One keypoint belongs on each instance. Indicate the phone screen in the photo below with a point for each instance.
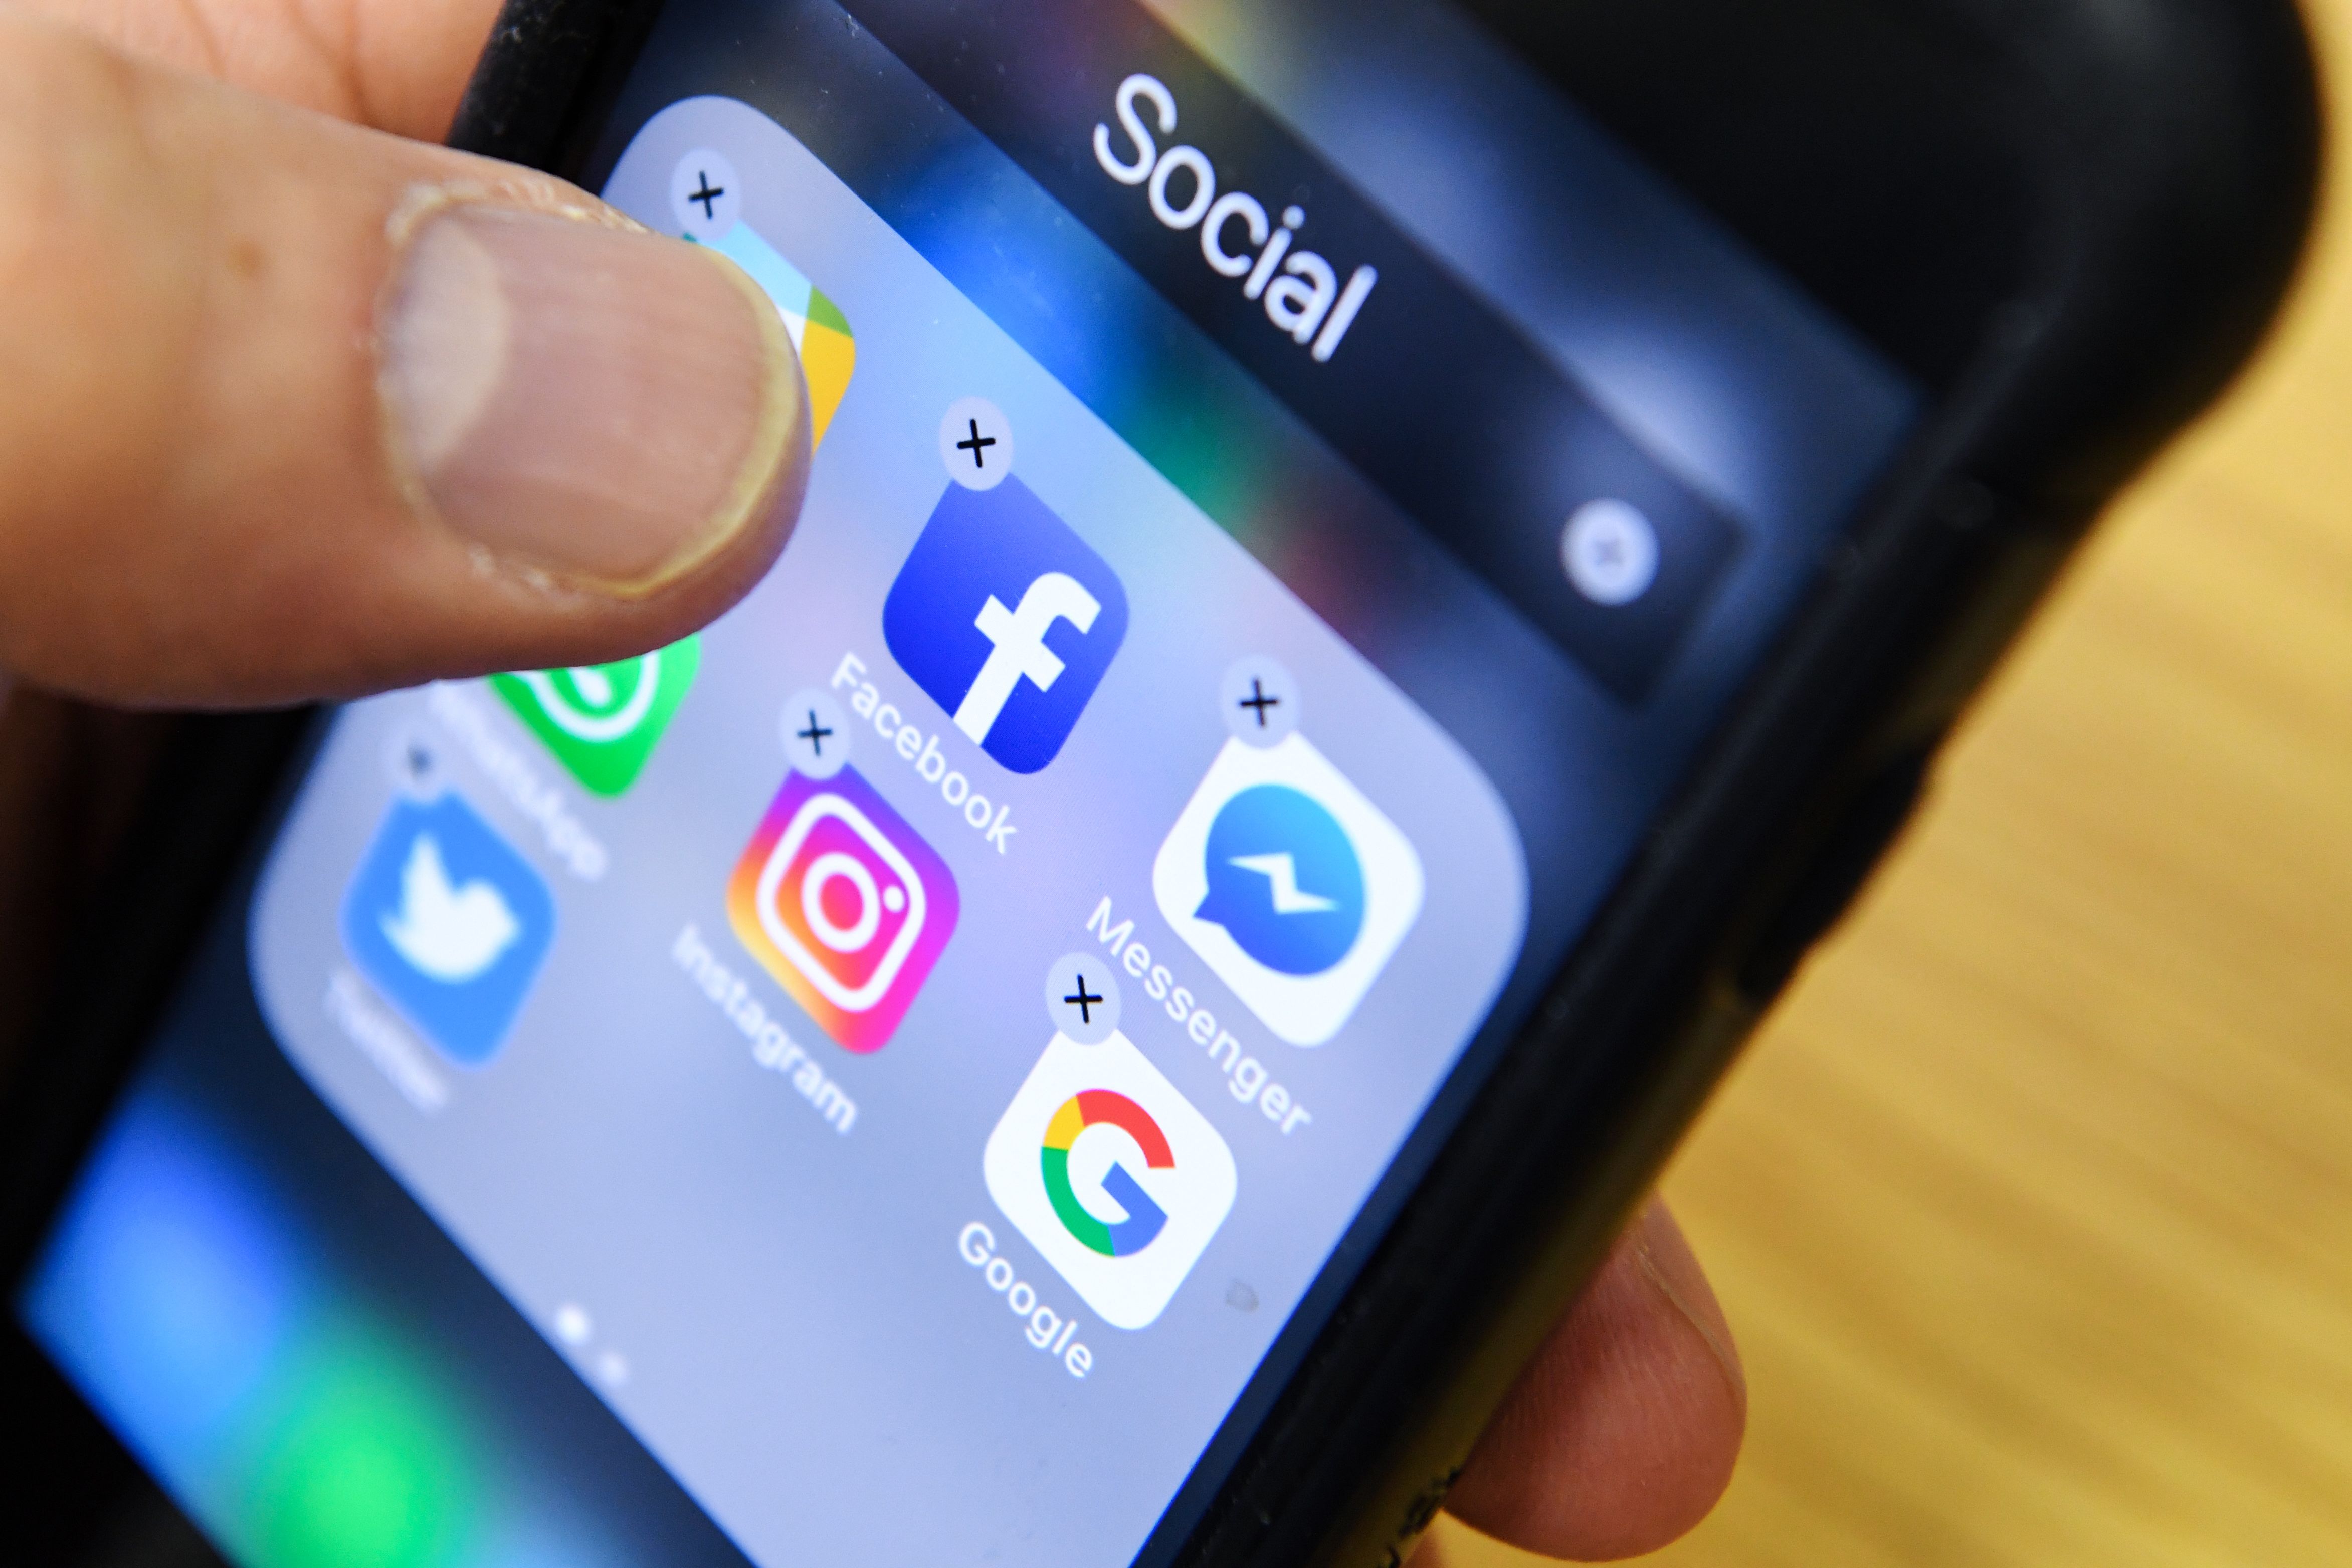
(901, 1075)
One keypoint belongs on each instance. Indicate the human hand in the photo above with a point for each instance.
(293, 408)
(1620, 1434)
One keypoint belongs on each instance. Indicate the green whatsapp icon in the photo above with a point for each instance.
(602, 721)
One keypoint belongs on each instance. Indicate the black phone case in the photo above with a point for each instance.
(2167, 155)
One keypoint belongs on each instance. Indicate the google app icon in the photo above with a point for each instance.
(1111, 1174)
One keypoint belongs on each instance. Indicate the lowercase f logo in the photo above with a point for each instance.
(1006, 620)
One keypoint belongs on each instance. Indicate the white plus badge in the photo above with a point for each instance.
(705, 195)
(976, 443)
(1611, 551)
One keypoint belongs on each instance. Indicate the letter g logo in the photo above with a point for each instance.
(1113, 1177)
(1145, 1219)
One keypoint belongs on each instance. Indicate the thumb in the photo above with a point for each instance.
(291, 409)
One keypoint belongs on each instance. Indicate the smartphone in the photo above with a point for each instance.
(1373, 574)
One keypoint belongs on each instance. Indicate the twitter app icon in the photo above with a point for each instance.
(449, 923)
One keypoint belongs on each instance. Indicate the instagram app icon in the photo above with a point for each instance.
(838, 899)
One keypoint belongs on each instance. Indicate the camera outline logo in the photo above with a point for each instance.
(603, 721)
(1290, 884)
(1117, 1179)
(1006, 620)
(450, 922)
(844, 904)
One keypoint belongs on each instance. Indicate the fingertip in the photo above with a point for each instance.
(427, 417)
(574, 396)
(1664, 1254)
(1624, 1432)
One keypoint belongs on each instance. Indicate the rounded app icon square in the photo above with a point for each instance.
(602, 721)
(449, 922)
(1290, 883)
(1006, 620)
(844, 903)
(706, 200)
(1111, 1174)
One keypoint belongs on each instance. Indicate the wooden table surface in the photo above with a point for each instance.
(2031, 1207)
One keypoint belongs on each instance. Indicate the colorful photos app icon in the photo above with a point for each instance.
(1112, 1176)
(1290, 884)
(602, 721)
(449, 922)
(843, 903)
(1007, 619)
(706, 198)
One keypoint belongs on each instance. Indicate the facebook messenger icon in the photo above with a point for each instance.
(1290, 884)
(1283, 880)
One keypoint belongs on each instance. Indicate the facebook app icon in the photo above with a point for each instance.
(1006, 620)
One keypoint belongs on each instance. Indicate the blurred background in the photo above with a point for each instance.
(2031, 1207)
